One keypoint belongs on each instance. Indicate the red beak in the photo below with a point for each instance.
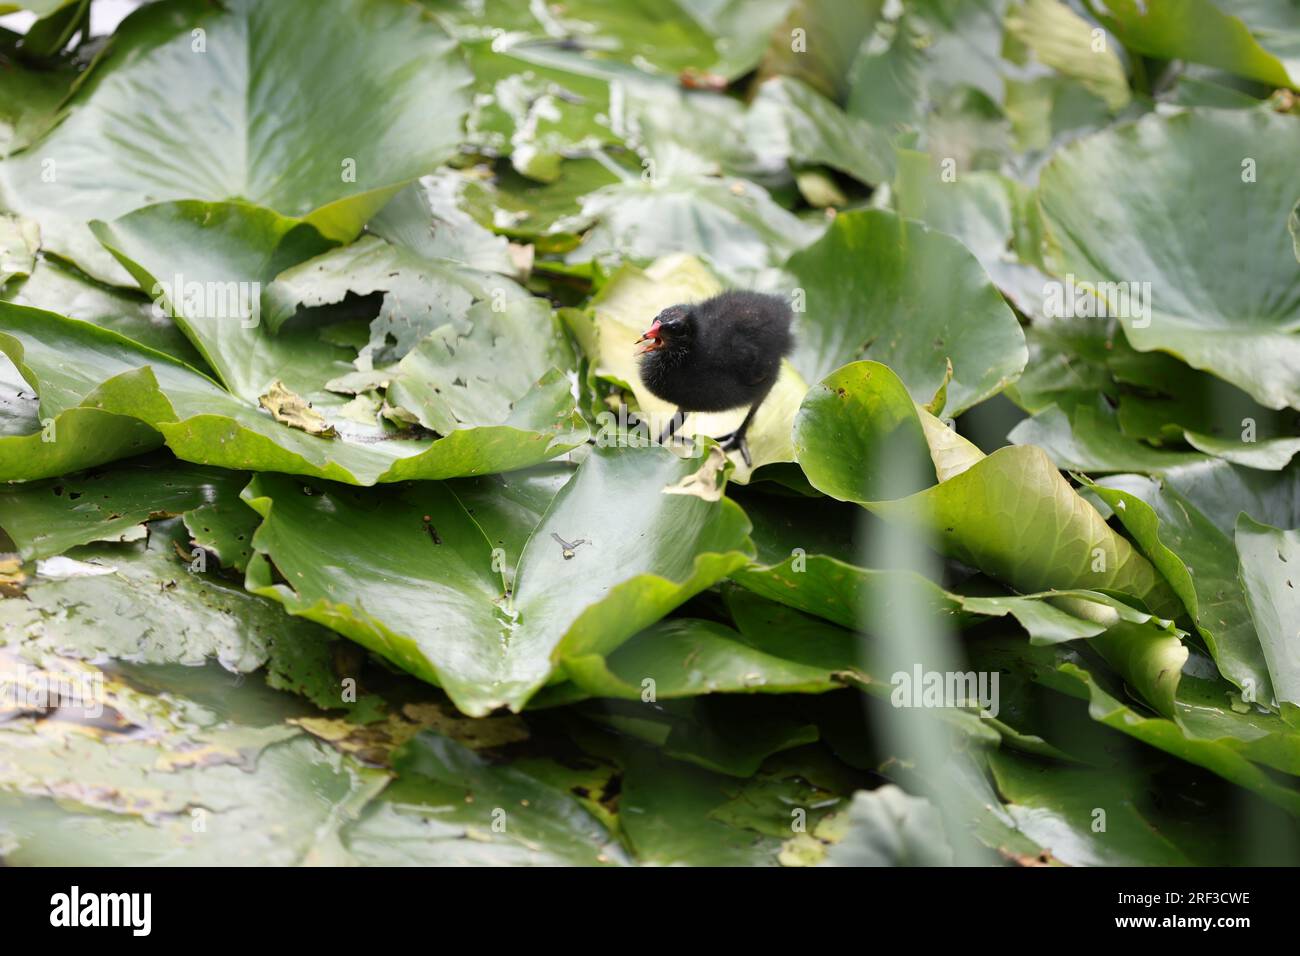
(653, 337)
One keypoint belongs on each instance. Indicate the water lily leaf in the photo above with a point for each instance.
(1213, 32)
(184, 93)
(1088, 438)
(48, 517)
(147, 602)
(872, 288)
(206, 265)
(536, 114)
(452, 807)
(997, 219)
(1178, 539)
(1005, 489)
(666, 816)
(509, 507)
(558, 84)
(976, 207)
(29, 102)
(787, 118)
(167, 775)
(452, 379)
(1221, 491)
(1063, 40)
(1270, 454)
(20, 239)
(721, 37)
(887, 827)
(734, 224)
(1240, 327)
(225, 526)
(42, 8)
(202, 422)
(446, 616)
(1135, 642)
(727, 734)
(421, 294)
(819, 41)
(1058, 806)
(56, 288)
(1221, 754)
(427, 217)
(544, 214)
(1163, 400)
(680, 134)
(989, 515)
(843, 592)
(1267, 556)
(685, 657)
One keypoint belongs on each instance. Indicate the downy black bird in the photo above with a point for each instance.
(717, 355)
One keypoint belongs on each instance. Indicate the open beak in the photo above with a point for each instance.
(653, 339)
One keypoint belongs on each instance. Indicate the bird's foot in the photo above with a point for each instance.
(734, 441)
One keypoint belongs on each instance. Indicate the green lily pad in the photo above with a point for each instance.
(887, 827)
(581, 588)
(1010, 514)
(1155, 183)
(205, 264)
(29, 102)
(1266, 554)
(684, 657)
(184, 92)
(1064, 41)
(1260, 41)
(146, 392)
(48, 517)
(1087, 817)
(789, 119)
(452, 807)
(20, 239)
(59, 288)
(733, 224)
(1219, 754)
(166, 776)
(1200, 564)
(893, 290)
(427, 217)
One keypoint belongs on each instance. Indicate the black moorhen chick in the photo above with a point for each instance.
(717, 355)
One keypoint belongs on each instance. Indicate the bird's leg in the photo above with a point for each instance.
(674, 423)
(736, 439)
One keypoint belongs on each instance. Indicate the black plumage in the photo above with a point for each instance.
(717, 355)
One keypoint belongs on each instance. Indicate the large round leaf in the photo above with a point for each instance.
(413, 577)
(880, 287)
(1260, 40)
(1010, 514)
(1193, 208)
(197, 100)
(82, 372)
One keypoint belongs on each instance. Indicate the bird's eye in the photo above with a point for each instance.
(676, 322)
